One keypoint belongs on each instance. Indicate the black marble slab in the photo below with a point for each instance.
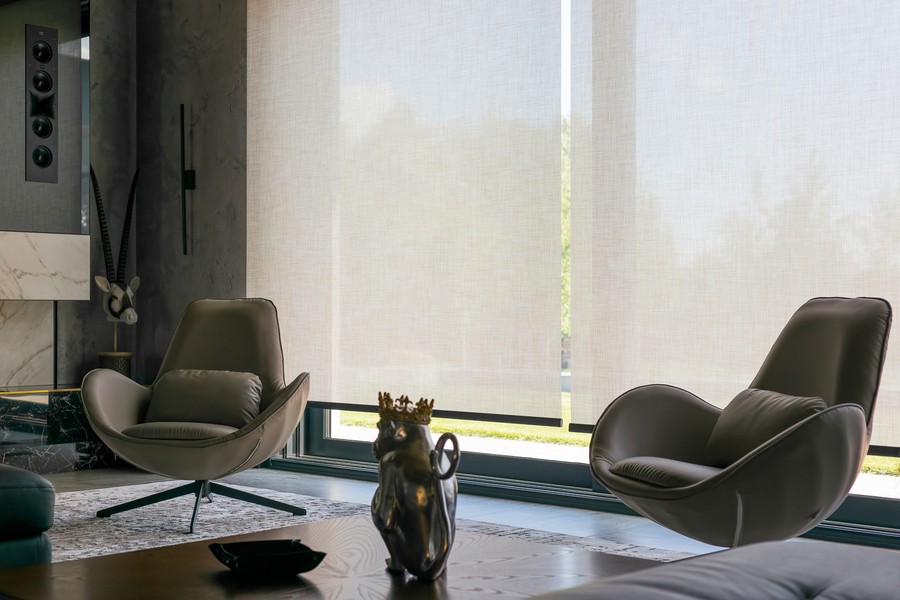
(46, 431)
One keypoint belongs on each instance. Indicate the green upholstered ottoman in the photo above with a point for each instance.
(26, 512)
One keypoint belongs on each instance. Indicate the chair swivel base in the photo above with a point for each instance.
(201, 489)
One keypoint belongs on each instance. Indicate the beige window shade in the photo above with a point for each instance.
(729, 162)
(404, 198)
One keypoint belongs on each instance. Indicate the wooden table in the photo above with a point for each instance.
(480, 566)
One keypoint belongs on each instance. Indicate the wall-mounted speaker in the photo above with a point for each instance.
(41, 85)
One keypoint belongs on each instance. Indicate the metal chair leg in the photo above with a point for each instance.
(182, 490)
(201, 489)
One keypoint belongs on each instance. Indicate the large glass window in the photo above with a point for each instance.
(433, 219)
(403, 208)
(729, 162)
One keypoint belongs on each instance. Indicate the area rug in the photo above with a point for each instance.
(78, 533)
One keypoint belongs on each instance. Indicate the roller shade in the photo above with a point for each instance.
(729, 162)
(404, 199)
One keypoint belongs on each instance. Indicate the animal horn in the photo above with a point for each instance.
(104, 230)
(123, 247)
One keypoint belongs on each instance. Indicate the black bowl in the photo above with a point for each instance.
(267, 558)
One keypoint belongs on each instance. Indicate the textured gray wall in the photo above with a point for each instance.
(192, 53)
(30, 206)
(146, 59)
(82, 329)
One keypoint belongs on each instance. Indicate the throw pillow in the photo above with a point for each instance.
(753, 418)
(198, 396)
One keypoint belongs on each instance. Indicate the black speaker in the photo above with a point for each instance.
(42, 91)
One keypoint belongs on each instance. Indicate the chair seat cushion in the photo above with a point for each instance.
(663, 472)
(201, 396)
(175, 430)
(26, 503)
(753, 418)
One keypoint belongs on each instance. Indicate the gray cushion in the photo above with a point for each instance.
(662, 472)
(796, 569)
(226, 398)
(753, 418)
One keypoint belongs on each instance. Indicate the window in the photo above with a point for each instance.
(728, 162)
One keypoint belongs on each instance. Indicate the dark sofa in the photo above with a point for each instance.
(788, 570)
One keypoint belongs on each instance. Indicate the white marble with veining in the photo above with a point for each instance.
(26, 344)
(44, 266)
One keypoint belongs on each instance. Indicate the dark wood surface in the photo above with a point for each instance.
(480, 566)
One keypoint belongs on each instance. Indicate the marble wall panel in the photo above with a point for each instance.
(44, 266)
(26, 344)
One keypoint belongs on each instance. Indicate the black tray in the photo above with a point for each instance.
(267, 558)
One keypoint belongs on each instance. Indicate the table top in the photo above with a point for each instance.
(480, 566)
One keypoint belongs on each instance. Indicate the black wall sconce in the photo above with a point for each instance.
(41, 81)
(188, 182)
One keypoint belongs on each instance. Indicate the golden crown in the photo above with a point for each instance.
(403, 409)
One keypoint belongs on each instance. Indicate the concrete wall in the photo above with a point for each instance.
(146, 59)
(191, 53)
(82, 329)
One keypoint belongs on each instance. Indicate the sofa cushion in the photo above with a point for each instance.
(751, 419)
(662, 472)
(228, 398)
(26, 503)
(795, 569)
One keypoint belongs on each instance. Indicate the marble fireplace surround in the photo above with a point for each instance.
(40, 431)
(46, 431)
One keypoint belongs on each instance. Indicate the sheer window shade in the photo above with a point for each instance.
(404, 200)
(729, 162)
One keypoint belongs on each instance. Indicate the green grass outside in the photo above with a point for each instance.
(506, 431)
(880, 465)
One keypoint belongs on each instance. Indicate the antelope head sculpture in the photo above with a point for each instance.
(118, 296)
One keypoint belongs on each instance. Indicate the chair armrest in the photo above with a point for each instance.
(654, 420)
(298, 387)
(798, 478)
(112, 401)
(276, 423)
(830, 444)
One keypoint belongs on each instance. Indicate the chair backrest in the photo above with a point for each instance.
(230, 335)
(833, 348)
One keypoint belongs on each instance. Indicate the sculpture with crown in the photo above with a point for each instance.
(414, 506)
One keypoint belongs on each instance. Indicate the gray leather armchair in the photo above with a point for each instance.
(218, 406)
(779, 458)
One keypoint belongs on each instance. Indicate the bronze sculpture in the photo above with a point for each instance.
(414, 506)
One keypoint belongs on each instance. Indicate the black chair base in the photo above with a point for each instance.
(201, 489)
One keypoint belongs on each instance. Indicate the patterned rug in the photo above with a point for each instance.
(78, 533)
